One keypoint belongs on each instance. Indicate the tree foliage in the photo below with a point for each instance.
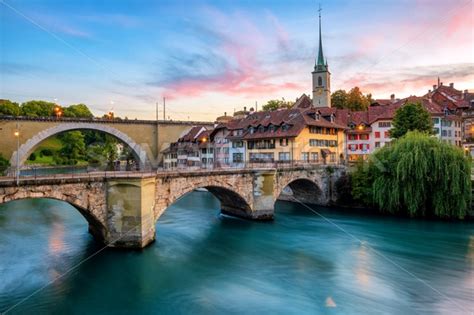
(37, 109)
(419, 176)
(9, 108)
(353, 100)
(74, 148)
(339, 99)
(412, 116)
(277, 104)
(79, 111)
(4, 165)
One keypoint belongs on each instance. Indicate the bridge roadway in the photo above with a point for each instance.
(122, 207)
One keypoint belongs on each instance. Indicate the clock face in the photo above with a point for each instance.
(319, 91)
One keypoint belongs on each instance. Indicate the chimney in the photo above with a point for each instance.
(245, 108)
(225, 113)
(434, 87)
(392, 98)
(429, 91)
(441, 84)
(451, 85)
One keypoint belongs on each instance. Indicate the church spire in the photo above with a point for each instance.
(320, 65)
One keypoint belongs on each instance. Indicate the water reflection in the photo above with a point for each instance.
(204, 263)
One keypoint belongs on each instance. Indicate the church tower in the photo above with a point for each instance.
(321, 76)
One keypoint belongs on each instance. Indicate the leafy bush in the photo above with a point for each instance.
(32, 157)
(46, 152)
(418, 175)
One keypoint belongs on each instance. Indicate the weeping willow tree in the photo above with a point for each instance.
(418, 175)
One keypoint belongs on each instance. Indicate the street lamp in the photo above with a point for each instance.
(58, 111)
(17, 135)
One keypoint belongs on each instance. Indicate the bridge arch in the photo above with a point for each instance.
(28, 147)
(234, 201)
(302, 189)
(96, 225)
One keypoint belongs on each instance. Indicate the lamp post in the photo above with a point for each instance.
(17, 135)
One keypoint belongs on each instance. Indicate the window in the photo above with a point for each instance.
(284, 156)
(436, 131)
(444, 133)
(304, 156)
(353, 137)
(435, 121)
(377, 134)
(238, 157)
(314, 129)
(252, 130)
(225, 150)
(332, 157)
(377, 144)
(386, 134)
(364, 137)
(285, 127)
(283, 142)
(352, 147)
(237, 144)
(320, 81)
(385, 124)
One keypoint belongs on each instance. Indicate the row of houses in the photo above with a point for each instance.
(308, 134)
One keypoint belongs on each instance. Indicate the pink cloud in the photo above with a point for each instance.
(245, 75)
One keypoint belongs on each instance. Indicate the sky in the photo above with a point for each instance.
(211, 57)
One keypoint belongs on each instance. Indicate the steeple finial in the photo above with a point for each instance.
(320, 61)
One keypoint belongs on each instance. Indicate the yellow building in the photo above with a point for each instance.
(292, 135)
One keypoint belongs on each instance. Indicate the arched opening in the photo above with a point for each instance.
(95, 226)
(231, 202)
(303, 191)
(26, 149)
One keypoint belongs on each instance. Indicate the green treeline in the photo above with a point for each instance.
(43, 109)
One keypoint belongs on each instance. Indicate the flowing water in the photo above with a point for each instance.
(205, 263)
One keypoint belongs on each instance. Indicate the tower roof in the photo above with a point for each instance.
(320, 62)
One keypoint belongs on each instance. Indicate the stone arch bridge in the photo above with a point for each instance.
(122, 208)
(146, 138)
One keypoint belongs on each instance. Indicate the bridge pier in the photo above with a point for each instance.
(130, 217)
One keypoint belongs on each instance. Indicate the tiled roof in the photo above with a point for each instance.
(303, 102)
(192, 134)
(272, 122)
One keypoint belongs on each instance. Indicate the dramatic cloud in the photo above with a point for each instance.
(233, 63)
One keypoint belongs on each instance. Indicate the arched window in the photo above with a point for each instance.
(320, 81)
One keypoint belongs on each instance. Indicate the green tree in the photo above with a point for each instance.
(276, 104)
(78, 110)
(411, 117)
(418, 176)
(37, 109)
(356, 101)
(74, 147)
(9, 108)
(4, 165)
(339, 99)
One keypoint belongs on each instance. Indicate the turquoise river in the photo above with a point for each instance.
(306, 261)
